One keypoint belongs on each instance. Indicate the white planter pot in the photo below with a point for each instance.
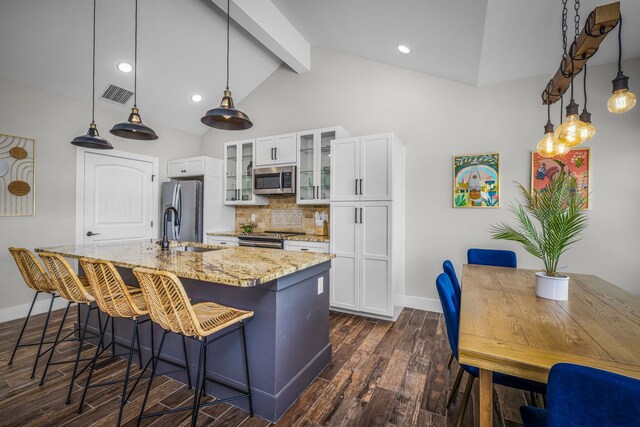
(555, 288)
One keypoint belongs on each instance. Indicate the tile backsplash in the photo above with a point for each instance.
(282, 213)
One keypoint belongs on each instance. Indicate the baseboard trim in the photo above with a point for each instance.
(420, 303)
(41, 306)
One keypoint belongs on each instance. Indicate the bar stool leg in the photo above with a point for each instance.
(55, 343)
(24, 326)
(154, 366)
(83, 333)
(186, 358)
(93, 364)
(44, 332)
(113, 337)
(246, 367)
(138, 344)
(123, 399)
(199, 383)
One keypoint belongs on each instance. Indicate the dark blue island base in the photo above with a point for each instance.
(287, 338)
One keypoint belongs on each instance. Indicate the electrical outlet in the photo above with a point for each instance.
(320, 285)
(253, 217)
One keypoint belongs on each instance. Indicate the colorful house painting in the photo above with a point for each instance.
(476, 181)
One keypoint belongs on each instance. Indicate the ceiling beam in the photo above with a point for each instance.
(264, 21)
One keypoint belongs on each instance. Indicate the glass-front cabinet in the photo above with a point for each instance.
(314, 160)
(238, 174)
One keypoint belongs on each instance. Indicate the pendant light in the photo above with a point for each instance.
(548, 145)
(92, 138)
(133, 128)
(561, 147)
(573, 129)
(226, 117)
(622, 100)
(589, 130)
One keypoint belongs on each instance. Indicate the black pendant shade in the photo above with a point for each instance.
(133, 128)
(92, 139)
(226, 117)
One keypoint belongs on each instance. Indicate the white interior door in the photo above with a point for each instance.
(118, 198)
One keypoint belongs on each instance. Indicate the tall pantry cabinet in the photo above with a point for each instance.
(367, 224)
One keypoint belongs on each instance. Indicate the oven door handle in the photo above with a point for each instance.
(281, 180)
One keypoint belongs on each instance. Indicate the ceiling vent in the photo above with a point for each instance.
(116, 94)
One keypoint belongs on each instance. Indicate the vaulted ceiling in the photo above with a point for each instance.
(182, 43)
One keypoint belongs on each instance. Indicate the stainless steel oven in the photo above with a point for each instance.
(275, 180)
(267, 239)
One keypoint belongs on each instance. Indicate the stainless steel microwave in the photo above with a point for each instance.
(276, 180)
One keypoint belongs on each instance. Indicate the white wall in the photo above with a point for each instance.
(438, 118)
(54, 120)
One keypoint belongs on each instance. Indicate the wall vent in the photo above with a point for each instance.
(116, 94)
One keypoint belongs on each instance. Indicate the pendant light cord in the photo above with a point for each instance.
(620, 46)
(584, 81)
(561, 107)
(228, 24)
(93, 81)
(135, 60)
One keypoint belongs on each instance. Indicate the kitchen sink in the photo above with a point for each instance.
(193, 249)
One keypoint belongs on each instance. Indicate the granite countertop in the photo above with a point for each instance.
(235, 266)
(299, 238)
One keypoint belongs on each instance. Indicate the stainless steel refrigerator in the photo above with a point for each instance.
(186, 197)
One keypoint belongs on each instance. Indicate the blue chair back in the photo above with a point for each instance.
(450, 309)
(447, 266)
(495, 257)
(582, 396)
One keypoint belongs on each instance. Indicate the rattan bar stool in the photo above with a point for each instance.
(170, 308)
(117, 300)
(75, 289)
(37, 279)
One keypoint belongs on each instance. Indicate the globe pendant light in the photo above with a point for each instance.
(92, 138)
(226, 117)
(589, 130)
(133, 128)
(548, 146)
(622, 100)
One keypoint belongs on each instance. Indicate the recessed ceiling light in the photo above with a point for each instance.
(125, 67)
(404, 49)
(196, 98)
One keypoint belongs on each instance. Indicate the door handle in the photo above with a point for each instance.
(356, 214)
(356, 187)
(314, 192)
(275, 153)
(272, 154)
(91, 233)
(360, 185)
(304, 249)
(361, 216)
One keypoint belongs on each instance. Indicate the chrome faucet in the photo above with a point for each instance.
(164, 244)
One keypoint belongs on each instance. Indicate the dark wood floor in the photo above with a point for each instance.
(382, 374)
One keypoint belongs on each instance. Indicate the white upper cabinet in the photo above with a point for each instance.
(238, 174)
(314, 164)
(276, 150)
(362, 168)
(193, 166)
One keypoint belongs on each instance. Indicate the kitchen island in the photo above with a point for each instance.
(288, 336)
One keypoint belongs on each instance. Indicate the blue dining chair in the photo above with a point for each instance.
(452, 320)
(582, 396)
(495, 257)
(447, 266)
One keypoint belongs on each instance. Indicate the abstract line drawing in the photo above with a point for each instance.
(17, 175)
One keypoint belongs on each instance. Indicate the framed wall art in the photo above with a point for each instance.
(476, 181)
(17, 175)
(577, 162)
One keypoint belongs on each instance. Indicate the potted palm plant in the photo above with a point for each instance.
(557, 210)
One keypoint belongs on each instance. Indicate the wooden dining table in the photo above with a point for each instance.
(505, 328)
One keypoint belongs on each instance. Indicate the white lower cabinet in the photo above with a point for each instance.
(222, 240)
(299, 245)
(362, 270)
